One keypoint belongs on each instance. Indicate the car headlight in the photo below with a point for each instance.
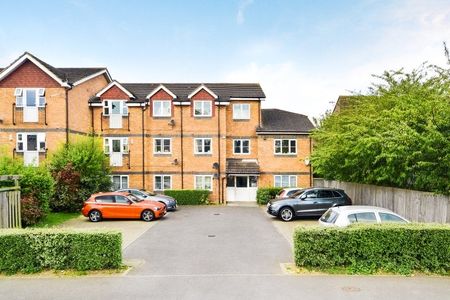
(158, 208)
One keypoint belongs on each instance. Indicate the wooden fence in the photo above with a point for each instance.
(10, 204)
(416, 206)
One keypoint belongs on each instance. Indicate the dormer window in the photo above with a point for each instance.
(202, 108)
(162, 108)
(115, 107)
(33, 97)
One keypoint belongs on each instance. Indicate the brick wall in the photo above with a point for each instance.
(28, 75)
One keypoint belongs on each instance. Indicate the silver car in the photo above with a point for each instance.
(169, 202)
(343, 216)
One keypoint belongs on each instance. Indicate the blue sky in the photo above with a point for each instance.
(304, 53)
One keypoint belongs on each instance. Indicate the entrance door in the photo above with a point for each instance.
(30, 108)
(115, 117)
(116, 159)
(242, 188)
(31, 153)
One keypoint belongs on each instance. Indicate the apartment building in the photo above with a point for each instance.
(157, 136)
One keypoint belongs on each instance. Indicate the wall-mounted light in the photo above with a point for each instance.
(171, 122)
(307, 161)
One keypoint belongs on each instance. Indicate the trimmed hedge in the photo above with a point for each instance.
(264, 195)
(189, 197)
(34, 250)
(372, 248)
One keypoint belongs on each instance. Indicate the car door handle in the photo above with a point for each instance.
(315, 202)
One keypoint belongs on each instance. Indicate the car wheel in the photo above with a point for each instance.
(286, 214)
(95, 216)
(147, 215)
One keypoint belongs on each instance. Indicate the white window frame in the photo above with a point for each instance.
(241, 147)
(162, 182)
(121, 177)
(107, 107)
(203, 145)
(289, 177)
(162, 112)
(20, 93)
(238, 112)
(202, 178)
(40, 140)
(162, 146)
(124, 146)
(281, 147)
(202, 104)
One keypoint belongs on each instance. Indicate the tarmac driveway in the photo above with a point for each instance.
(211, 240)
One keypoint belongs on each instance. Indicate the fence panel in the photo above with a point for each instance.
(10, 215)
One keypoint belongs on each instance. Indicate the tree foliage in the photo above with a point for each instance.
(396, 135)
(80, 169)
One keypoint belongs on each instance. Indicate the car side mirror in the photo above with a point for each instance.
(130, 202)
(303, 197)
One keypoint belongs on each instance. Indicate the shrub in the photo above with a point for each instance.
(264, 195)
(37, 187)
(372, 248)
(189, 197)
(80, 169)
(33, 250)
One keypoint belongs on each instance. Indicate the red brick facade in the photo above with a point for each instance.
(28, 75)
(114, 93)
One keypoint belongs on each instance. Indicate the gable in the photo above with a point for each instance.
(202, 95)
(161, 95)
(114, 92)
(28, 75)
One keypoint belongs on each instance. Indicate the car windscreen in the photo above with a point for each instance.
(134, 198)
(330, 216)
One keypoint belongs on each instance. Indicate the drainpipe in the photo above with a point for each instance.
(310, 167)
(181, 143)
(67, 116)
(92, 119)
(143, 146)
(218, 148)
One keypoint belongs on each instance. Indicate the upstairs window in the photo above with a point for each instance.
(285, 146)
(202, 108)
(32, 97)
(241, 146)
(241, 111)
(162, 108)
(115, 107)
(202, 146)
(162, 146)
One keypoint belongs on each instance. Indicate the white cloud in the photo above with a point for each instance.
(243, 4)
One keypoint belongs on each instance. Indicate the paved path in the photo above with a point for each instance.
(180, 261)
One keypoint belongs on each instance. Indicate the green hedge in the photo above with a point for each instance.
(189, 197)
(263, 195)
(372, 248)
(33, 250)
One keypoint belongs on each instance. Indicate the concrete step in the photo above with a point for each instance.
(242, 203)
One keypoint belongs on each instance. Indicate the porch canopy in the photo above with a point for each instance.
(237, 166)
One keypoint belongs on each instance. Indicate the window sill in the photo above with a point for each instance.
(286, 155)
(202, 154)
(162, 117)
(202, 117)
(241, 120)
(162, 154)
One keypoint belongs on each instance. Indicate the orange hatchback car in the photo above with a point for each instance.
(118, 205)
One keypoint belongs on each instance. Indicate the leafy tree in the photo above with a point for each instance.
(80, 169)
(397, 135)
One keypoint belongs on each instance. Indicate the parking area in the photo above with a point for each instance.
(131, 229)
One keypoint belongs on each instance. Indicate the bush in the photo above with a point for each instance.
(189, 197)
(38, 249)
(80, 169)
(264, 195)
(36, 184)
(372, 248)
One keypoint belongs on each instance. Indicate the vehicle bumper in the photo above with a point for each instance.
(272, 211)
(160, 213)
(171, 206)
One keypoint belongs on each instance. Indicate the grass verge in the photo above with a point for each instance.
(53, 219)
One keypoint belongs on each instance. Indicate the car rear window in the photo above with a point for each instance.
(365, 217)
(336, 194)
(390, 218)
(329, 216)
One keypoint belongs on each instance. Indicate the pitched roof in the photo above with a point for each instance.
(242, 166)
(69, 75)
(224, 91)
(277, 120)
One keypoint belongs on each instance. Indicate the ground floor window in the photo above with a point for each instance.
(119, 182)
(203, 182)
(162, 182)
(285, 181)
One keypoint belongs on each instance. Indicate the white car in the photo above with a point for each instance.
(287, 192)
(343, 216)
